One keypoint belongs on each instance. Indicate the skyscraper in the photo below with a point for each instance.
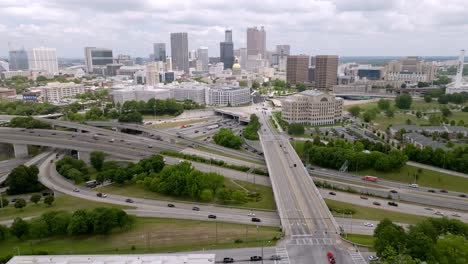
(326, 70)
(203, 57)
(159, 51)
(226, 50)
(18, 60)
(179, 51)
(43, 59)
(282, 51)
(297, 68)
(256, 41)
(97, 58)
(152, 74)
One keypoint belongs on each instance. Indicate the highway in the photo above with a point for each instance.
(311, 231)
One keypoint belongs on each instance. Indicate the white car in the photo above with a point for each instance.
(104, 195)
(368, 224)
(413, 185)
(251, 214)
(456, 215)
(371, 258)
(439, 213)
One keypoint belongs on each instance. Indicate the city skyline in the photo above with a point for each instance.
(348, 28)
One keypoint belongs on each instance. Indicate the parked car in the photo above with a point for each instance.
(255, 219)
(170, 205)
(376, 203)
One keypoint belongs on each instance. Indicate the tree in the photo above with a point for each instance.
(403, 85)
(97, 159)
(226, 138)
(132, 117)
(383, 104)
(3, 233)
(451, 249)
(390, 237)
(243, 83)
(295, 129)
(255, 85)
(5, 202)
(427, 98)
(23, 179)
(80, 223)
(206, 195)
(35, 198)
(389, 113)
(19, 228)
(403, 101)
(49, 199)
(369, 115)
(300, 87)
(443, 99)
(28, 122)
(20, 203)
(104, 219)
(354, 110)
(41, 78)
(418, 114)
(445, 111)
(38, 228)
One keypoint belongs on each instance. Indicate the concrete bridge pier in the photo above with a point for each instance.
(20, 150)
(84, 156)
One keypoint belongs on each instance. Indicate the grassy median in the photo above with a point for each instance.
(151, 235)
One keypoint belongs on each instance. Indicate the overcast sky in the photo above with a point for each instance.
(343, 27)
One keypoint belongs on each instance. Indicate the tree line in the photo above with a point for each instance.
(250, 131)
(99, 221)
(336, 153)
(23, 108)
(28, 122)
(455, 159)
(23, 179)
(73, 169)
(432, 240)
(159, 107)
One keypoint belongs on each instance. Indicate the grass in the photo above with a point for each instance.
(63, 202)
(179, 123)
(217, 152)
(361, 239)
(134, 190)
(376, 214)
(420, 105)
(151, 235)
(427, 178)
(152, 117)
(363, 183)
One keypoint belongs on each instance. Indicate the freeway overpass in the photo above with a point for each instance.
(311, 230)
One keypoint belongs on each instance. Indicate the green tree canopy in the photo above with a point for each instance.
(403, 101)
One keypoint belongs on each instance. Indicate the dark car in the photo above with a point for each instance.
(431, 191)
(195, 208)
(129, 200)
(228, 260)
(364, 197)
(443, 191)
(170, 205)
(332, 193)
(255, 258)
(462, 195)
(392, 204)
(212, 216)
(376, 203)
(255, 219)
(393, 191)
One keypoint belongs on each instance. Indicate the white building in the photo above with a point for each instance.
(97, 58)
(189, 91)
(152, 74)
(138, 93)
(43, 59)
(116, 259)
(9, 74)
(228, 96)
(312, 107)
(56, 91)
(203, 57)
(4, 66)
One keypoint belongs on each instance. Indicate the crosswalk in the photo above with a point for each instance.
(311, 241)
(357, 257)
(283, 253)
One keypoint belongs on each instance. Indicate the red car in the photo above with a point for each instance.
(331, 258)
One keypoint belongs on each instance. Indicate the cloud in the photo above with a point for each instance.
(345, 27)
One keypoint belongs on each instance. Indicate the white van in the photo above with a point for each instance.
(413, 185)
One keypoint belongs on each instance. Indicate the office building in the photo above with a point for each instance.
(4, 66)
(256, 41)
(373, 74)
(152, 74)
(138, 93)
(18, 60)
(203, 58)
(159, 51)
(179, 52)
(43, 59)
(281, 53)
(195, 92)
(312, 107)
(130, 70)
(227, 50)
(10, 74)
(228, 96)
(410, 70)
(111, 69)
(297, 69)
(326, 71)
(97, 58)
(169, 77)
(56, 92)
(125, 60)
(311, 74)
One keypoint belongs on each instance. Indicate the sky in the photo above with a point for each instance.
(343, 27)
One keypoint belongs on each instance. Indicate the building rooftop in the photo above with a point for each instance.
(425, 141)
(311, 92)
(116, 259)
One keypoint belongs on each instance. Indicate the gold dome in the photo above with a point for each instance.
(236, 66)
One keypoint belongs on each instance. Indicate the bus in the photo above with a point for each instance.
(91, 184)
(370, 178)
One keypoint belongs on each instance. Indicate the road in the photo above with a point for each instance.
(51, 179)
(311, 231)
